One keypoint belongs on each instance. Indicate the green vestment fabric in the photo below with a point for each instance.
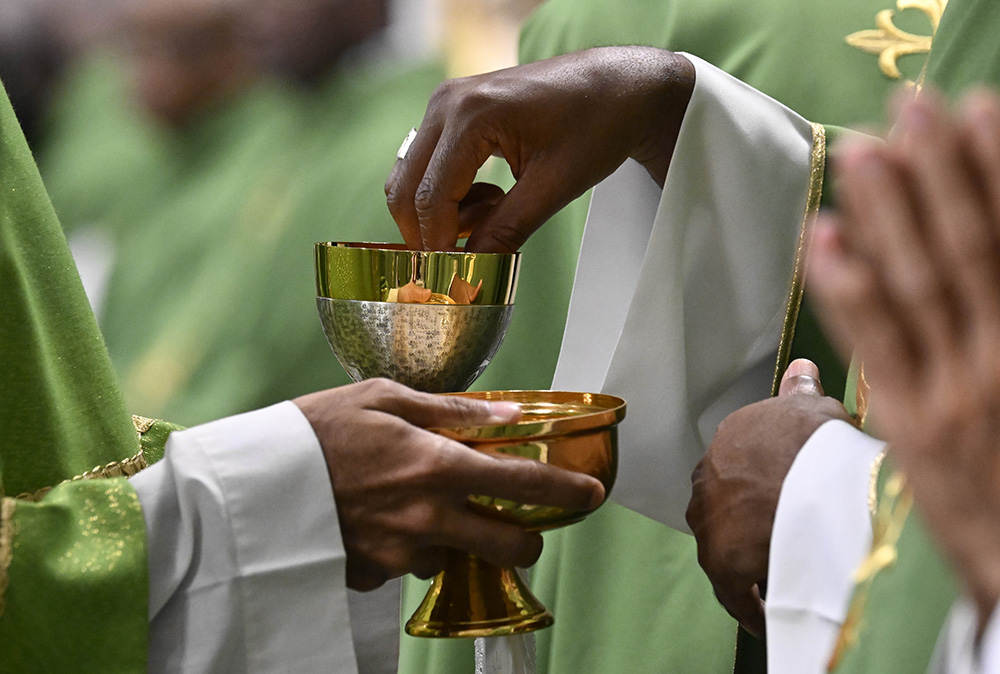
(908, 602)
(627, 593)
(102, 161)
(79, 553)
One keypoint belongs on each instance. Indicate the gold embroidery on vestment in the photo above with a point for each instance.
(142, 424)
(124, 468)
(7, 506)
(862, 392)
(892, 511)
(816, 172)
(891, 43)
(873, 473)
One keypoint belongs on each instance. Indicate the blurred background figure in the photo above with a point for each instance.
(186, 56)
(31, 59)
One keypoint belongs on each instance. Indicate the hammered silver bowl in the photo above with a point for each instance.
(439, 346)
(429, 347)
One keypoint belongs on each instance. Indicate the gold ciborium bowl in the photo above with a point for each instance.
(575, 431)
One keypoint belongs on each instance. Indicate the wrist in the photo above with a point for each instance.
(671, 79)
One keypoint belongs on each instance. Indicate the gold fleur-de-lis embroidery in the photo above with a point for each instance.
(891, 43)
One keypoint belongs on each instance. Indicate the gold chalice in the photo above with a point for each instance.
(433, 321)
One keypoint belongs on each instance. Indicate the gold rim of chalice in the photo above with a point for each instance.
(571, 430)
(543, 414)
(384, 272)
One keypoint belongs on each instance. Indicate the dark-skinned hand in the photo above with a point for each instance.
(735, 488)
(402, 491)
(563, 125)
(908, 275)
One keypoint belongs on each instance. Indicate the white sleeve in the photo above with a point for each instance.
(246, 562)
(989, 648)
(822, 530)
(680, 293)
(957, 651)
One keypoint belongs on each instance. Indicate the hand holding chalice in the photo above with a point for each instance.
(433, 321)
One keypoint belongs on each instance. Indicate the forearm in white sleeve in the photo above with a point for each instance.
(822, 530)
(959, 651)
(693, 310)
(246, 562)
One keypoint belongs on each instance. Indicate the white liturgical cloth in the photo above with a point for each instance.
(680, 293)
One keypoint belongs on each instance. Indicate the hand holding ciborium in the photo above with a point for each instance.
(433, 321)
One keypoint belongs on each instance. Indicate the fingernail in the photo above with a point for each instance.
(804, 384)
(504, 413)
(802, 367)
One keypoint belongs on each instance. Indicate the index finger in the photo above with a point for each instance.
(406, 174)
(430, 410)
(525, 481)
(449, 175)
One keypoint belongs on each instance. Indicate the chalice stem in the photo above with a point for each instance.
(473, 598)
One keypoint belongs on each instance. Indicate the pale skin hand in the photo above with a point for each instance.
(562, 125)
(735, 488)
(908, 275)
(402, 491)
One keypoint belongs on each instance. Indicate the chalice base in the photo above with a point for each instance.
(472, 598)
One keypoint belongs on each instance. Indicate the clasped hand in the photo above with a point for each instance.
(735, 488)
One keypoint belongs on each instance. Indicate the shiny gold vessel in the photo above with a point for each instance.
(433, 321)
(368, 272)
(575, 431)
(430, 320)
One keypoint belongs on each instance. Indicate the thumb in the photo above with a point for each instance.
(801, 378)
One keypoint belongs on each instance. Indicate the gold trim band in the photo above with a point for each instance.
(125, 468)
(816, 172)
(873, 473)
(142, 424)
(7, 506)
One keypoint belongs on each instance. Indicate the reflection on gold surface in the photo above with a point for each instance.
(574, 431)
(460, 291)
(379, 272)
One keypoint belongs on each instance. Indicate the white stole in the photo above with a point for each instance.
(680, 293)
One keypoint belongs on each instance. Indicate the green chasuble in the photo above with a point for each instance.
(73, 586)
(627, 592)
(908, 602)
